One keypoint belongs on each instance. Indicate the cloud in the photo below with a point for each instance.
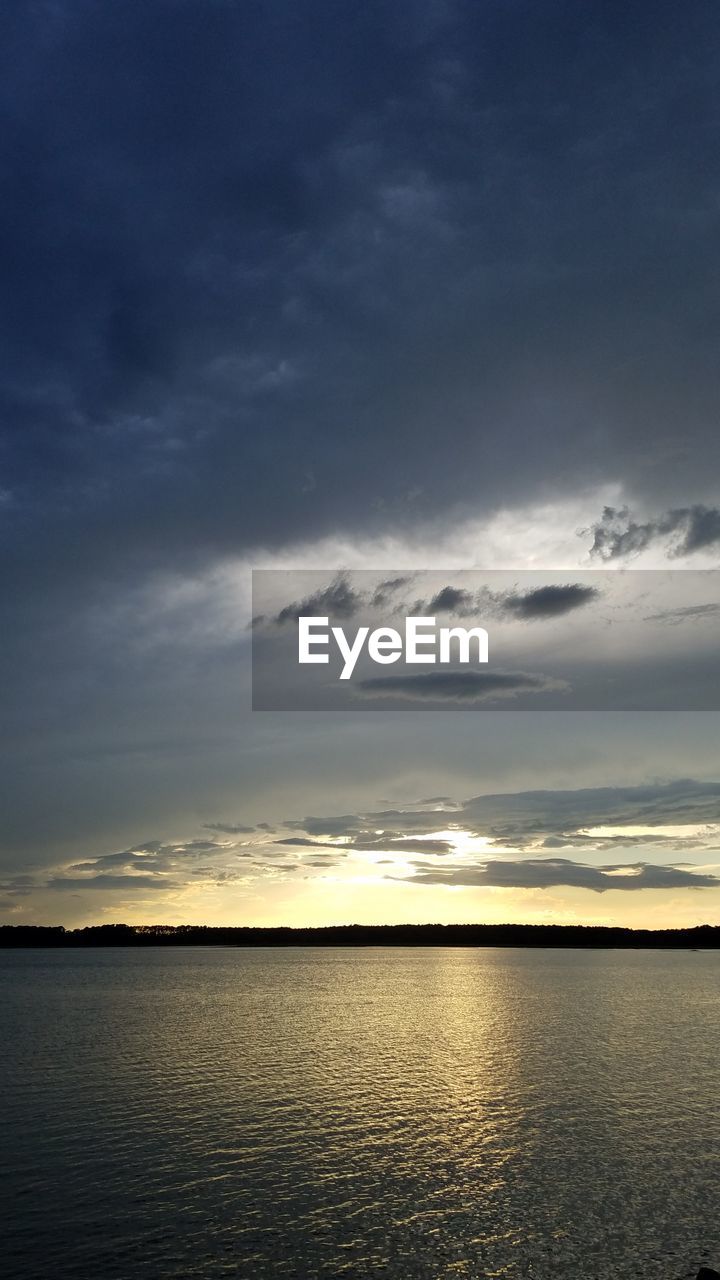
(111, 883)
(549, 602)
(18, 886)
(458, 686)
(152, 865)
(278, 866)
(301, 842)
(701, 529)
(223, 324)
(544, 873)
(153, 856)
(228, 828)
(683, 531)
(528, 823)
(386, 589)
(335, 825)
(452, 600)
(402, 845)
(578, 839)
(547, 818)
(388, 842)
(338, 600)
(693, 612)
(527, 815)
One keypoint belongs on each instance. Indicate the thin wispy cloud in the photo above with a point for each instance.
(459, 686)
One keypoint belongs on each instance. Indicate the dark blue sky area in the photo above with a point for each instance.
(272, 269)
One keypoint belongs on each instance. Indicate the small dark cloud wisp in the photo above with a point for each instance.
(458, 686)
(452, 600)
(549, 602)
(338, 600)
(692, 613)
(228, 828)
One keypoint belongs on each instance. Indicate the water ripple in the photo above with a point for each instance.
(172, 1114)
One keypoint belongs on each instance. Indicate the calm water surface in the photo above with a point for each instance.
(358, 1113)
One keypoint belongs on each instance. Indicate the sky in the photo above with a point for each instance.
(408, 287)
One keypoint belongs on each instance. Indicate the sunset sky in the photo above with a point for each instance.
(429, 285)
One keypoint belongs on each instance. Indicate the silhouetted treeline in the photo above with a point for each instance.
(358, 935)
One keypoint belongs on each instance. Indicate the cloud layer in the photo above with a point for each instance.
(546, 873)
(284, 281)
(434, 843)
(248, 252)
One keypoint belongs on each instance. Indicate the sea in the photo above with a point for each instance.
(172, 1113)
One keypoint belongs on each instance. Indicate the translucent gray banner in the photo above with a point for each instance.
(634, 640)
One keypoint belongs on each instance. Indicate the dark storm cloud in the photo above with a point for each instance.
(681, 531)
(457, 686)
(700, 529)
(545, 873)
(549, 602)
(250, 249)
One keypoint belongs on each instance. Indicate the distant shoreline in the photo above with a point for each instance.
(704, 937)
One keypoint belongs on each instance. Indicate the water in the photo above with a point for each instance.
(367, 1113)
